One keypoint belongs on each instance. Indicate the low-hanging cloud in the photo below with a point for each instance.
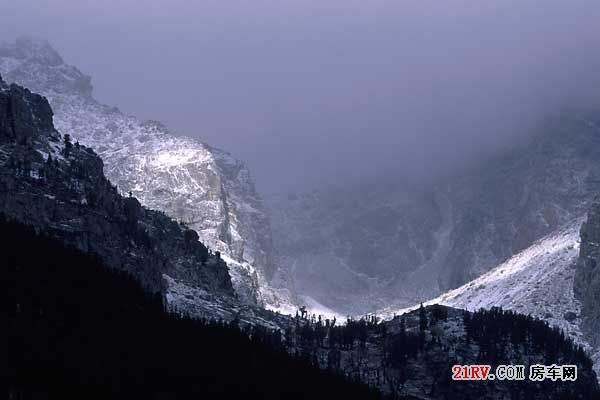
(313, 91)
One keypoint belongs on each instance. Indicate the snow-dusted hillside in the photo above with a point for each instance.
(537, 281)
(190, 181)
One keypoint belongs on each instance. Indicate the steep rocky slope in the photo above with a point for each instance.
(395, 244)
(538, 281)
(587, 278)
(554, 280)
(59, 188)
(190, 181)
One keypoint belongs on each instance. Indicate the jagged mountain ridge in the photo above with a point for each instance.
(392, 244)
(190, 181)
(60, 188)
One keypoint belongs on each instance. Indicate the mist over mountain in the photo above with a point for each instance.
(309, 93)
(316, 159)
(89, 281)
(360, 248)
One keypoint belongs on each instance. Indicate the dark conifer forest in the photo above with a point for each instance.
(71, 327)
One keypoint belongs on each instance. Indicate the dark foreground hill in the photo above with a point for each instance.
(72, 328)
(411, 356)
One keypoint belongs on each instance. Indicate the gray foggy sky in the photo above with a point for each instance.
(312, 91)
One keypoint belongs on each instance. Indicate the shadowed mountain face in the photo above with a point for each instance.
(365, 247)
(190, 181)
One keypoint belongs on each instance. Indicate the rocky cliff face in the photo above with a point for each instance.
(392, 244)
(587, 278)
(58, 187)
(190, 181)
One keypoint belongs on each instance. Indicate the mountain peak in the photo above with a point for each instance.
(38, 66)
(29, 47)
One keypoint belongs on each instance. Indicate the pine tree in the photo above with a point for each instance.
(68, 145)
(422, 319)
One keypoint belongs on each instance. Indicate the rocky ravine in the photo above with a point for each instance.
(190, 181)
(390, 244)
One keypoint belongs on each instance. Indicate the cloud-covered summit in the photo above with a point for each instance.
(311, 92)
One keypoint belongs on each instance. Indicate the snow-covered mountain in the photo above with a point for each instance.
(362, 247)
(190, 181)
(56, 189)
(342, 249)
